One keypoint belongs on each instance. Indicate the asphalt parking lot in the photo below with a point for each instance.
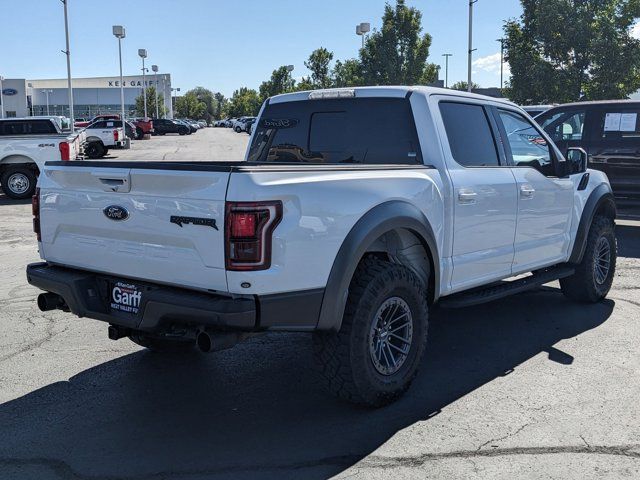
(531, 386)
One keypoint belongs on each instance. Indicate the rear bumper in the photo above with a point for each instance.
(162, 308)
(88, 294)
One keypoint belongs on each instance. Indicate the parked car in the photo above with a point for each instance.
(143, 126)
(535, 110)
(609, 131)
(192, 128)
(162, 126)
(220, 123)
(202, 123)
(241, 124)
(109, 116)
(383, 202)
(26, 144)
(249, 126)
(64, 123)
(104, 135)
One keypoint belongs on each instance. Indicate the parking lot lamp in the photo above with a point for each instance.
(176, 99)
(118, 31)
(362, 29)
(501, 40)
(47, 92)
(155, 80)
(143, 54)
(446, 68)
(67, 52)
(471, 49)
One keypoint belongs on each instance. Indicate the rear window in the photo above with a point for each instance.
(27, 127)
(350, 131)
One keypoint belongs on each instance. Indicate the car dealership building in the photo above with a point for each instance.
(91, 96)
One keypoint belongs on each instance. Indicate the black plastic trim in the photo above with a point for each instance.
(376, 222)
(291, 310)
(600, 196)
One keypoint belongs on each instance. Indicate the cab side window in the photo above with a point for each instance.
(469, 133)
(565, 126)
(528, 147)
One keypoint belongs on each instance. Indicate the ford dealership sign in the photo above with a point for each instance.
(9, 91)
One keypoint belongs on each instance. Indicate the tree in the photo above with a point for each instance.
(151, 104)
(347, 73)
(462, 85)
(188, 106)
(244, 101)
(207, 97)
(397, 54)
(318, 64)
(567, 50)
(280, 82)
(220, 105)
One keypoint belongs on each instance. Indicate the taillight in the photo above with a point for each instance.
(248, 234)
(65, 151)
(115, 135)
(35, 210)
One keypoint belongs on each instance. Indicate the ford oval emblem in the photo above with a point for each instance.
(116, 212)
(9, 91)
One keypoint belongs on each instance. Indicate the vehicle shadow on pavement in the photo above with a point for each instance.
(4, 200)
(628, 237)
(257, 411)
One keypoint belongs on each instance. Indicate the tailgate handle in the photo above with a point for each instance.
(115, 184)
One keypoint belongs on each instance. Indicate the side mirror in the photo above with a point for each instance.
(576, 160)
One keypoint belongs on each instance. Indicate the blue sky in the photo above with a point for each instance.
(223, 45)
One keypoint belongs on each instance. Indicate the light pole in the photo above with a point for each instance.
(143, 54)
(290, 69)
(67, 52)
(501, 40)
(446, 68)
(362, 29)
(47, 92)
(119, 32)
(154, 68)
(471, 49)
(1, 98)
(175, 102)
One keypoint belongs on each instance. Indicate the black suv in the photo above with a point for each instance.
(610, 133)
(162, 126)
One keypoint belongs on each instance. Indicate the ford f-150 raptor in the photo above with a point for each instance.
(355, 211)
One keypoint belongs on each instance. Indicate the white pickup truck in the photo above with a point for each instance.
(26, 144)
(355, 211)
(103, 135)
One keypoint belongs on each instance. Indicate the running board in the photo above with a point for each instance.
(498, 290)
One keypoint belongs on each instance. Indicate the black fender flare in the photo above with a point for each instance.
(600, 198)
(379, 220)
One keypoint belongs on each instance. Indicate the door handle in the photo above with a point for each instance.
(467, 196)
(527, 191)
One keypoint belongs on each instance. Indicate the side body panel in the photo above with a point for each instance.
(320, 209)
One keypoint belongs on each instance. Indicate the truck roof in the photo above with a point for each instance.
(385, 91)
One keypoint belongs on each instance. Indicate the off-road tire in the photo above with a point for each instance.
(162, 345)
(343, 358)
(27, 182)
(95, 150)
(139, 133)
(583, 286)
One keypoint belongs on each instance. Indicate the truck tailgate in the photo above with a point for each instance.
(164, 226)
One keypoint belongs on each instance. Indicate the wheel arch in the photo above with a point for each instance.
(600, 202)
(399, 217)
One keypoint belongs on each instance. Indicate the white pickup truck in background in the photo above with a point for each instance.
(26, 144)
(103, 135)
(355, 211)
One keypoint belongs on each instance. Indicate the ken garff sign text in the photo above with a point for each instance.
(133, 83)
(9, 91)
